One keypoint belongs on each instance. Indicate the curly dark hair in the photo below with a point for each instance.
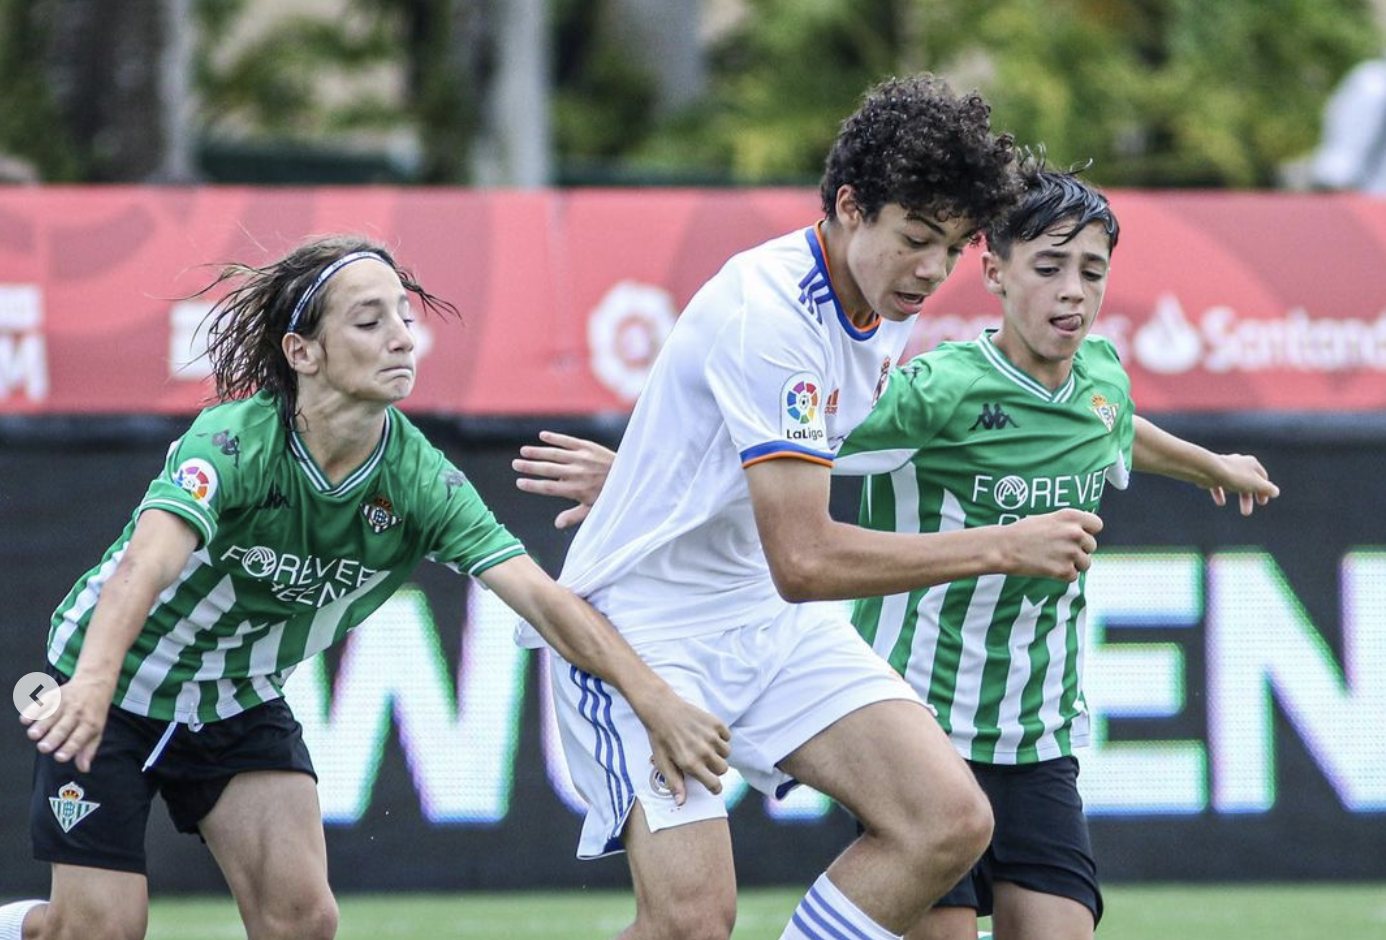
(1052, 198)
(915, 143)
(248, 324)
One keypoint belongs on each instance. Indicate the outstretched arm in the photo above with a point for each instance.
(685, 739)
(814, 557)
(569, 467)
(1157, 451)
(159, 549)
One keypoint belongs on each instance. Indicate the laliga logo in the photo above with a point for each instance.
(625, 332)
(198, 477)
(802, 402)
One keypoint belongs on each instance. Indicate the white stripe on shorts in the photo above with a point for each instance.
(595, 706)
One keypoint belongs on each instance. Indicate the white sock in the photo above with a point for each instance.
(826, 913)
(12, 918)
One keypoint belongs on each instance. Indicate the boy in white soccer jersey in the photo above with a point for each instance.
(1024, 419)
(281, 520)
(716, 522)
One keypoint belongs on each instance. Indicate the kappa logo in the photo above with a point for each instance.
(379, 512)
(993, 418)
(1105, 410)
(274, 499)
(68, 806)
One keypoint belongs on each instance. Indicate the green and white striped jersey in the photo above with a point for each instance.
(287, 561)
(963, 438)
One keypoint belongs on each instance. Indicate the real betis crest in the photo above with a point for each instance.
(1105, 410)
(379, 512)
(68, 806)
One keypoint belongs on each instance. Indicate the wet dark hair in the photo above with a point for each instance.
(914, 143)
(248, 324)
(1052, 198)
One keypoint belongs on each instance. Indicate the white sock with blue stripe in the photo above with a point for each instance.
(826, 913)
(12, 918)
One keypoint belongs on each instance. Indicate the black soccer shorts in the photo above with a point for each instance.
(98, 819)
(1040, 841)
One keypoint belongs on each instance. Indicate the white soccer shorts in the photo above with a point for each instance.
(774, 684)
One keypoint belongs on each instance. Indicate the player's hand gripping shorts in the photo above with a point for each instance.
(774, 684)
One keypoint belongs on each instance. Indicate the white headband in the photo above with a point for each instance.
(322, 278)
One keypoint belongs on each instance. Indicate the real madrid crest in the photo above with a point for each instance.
(1105, 410)
(379, 513)
(658, 784)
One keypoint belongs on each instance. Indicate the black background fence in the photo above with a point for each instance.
(1276, 781)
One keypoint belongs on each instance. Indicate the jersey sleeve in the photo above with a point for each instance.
(467, 537)
(767, 376)
(915, 403)
(207, 472)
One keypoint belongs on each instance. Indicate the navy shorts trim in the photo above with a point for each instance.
(1040, 841)
(98, 819)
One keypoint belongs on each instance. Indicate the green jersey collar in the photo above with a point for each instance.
(1003, 365)
(355, 478)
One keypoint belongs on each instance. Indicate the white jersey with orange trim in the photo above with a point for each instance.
(764, 363)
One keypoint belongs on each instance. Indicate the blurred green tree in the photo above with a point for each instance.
(1156, 92)
(79, 90)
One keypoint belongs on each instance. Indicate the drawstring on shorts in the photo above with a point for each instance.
(194, 726)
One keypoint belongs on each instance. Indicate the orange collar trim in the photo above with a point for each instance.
(851, 315)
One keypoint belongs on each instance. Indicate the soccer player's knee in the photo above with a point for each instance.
(310, 919)
(952, 830)
(975, 826)
(320, 923)
(696, 921)
(966, 832)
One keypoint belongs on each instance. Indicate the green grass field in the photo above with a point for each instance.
(1166, 912)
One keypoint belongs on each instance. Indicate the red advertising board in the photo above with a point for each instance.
(1218, 301)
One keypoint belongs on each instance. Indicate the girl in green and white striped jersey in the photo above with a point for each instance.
(280, 521)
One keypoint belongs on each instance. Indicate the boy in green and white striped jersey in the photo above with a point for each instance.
(1030, 418)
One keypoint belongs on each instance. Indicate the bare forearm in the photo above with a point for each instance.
(848, 562)
(1157, 451)
(813, 557)
(118, 619)
(157, 552)
(588, 641)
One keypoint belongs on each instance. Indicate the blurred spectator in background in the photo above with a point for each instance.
(1352, 149)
